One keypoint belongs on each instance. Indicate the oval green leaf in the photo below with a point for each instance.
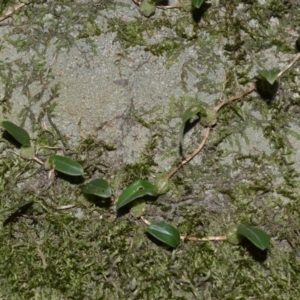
(269, 75)
(162, 183)
(27, 152)
(136, 190)
(138, 208)
(147, 8)
(65, 165)
(197, 3)
(255, 235)
(232, 236)
(209, 118)
(18, 133)
(165, 233)
(97, 187)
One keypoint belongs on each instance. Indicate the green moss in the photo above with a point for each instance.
(90, 29)
(129, 34)
(167, 46)
(186, 28)
(4, 4)
(143, 168)
(132, 33)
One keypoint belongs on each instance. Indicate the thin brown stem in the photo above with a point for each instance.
(170, 174)
(145, 221)
(64, 207)
(217, 108)
(236, 97)
(252, 87)
(210, 238)
(38, 160)
(169, 6)
(137, 2)
(289, 65)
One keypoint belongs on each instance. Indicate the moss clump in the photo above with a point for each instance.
(147, 8)
(129, 34)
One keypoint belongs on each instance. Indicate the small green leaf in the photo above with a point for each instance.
(162, 183)
(197, 3)
(188, 114)
(65, 165)
(255, 235)
(269, 75)
(209, 118)
(147, 8)
(97, 187)
(232, 236)
(27, 152)
(136, 190)
(165, 233)
(138, 208)
(18, 133)
(187, 5)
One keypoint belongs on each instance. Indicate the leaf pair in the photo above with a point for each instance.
(59, 163)
(169, 235)
(97, 187)
(165, 233)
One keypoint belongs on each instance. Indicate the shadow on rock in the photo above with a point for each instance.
(266, 90)
(98, 201)
(198, 13)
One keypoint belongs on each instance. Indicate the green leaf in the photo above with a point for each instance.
(27, 152)
(65, 165)
(197, 3)
(209, 118)
(162, 183)
(188, 114)
(255, 235)
(232, 236)
(18, 133)
(136, 190)
(269, 75)
(147, 8)
(138, 208)
(165, 233)
(187, 5)
(97, 187)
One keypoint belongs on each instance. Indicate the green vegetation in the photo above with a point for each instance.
(66, 230)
